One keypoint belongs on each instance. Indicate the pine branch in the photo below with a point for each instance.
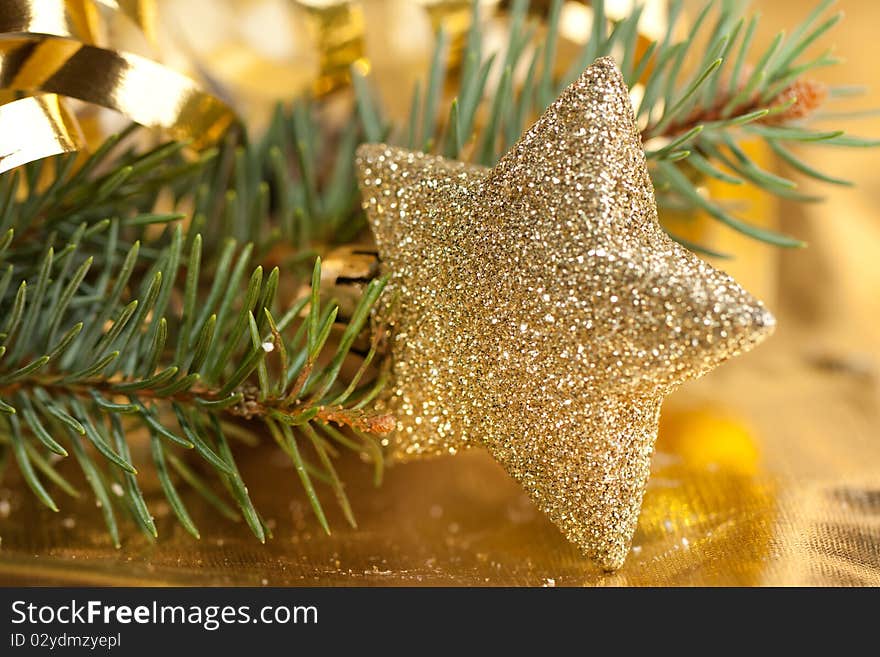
(131, 299)
(692, 124)
(149, 342)
(178, 363)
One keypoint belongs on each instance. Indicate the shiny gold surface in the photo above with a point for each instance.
(338, 30)
(36, 127)
(146, 92)
(45, 49)
(77, 19)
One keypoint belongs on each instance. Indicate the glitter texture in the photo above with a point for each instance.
(539, 309)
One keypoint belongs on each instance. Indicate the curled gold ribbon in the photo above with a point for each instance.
(36, 127)
(77, 19)
(47, 47)
(144, 91)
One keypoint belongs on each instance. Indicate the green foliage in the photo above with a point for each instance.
(121, 317)
(692, 125)
(98, 343)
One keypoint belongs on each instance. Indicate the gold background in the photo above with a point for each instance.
(767, 471)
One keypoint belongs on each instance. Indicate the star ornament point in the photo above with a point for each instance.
(538, 309)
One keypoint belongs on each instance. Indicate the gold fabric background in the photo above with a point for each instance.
(766, 474)
(767, 471)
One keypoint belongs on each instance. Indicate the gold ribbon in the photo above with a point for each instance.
(36, 127)
(144, 91)
(77, 19)
(47, 49)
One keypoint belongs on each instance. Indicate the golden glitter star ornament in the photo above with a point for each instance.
(539, 309)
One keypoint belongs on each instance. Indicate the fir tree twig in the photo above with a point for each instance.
(132, 298)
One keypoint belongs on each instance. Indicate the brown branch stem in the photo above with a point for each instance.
(249, 407)
(803, 95)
